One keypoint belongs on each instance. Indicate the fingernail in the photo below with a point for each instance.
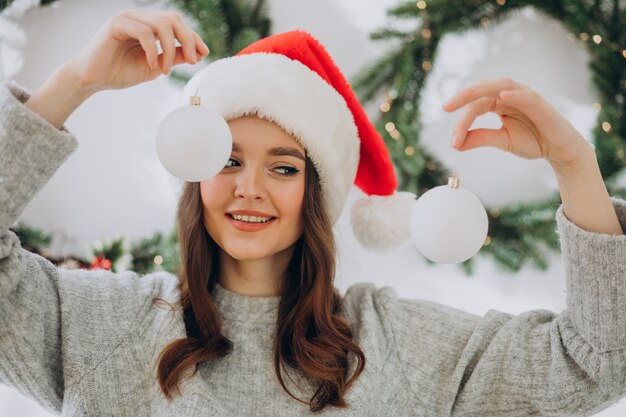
(455, 139)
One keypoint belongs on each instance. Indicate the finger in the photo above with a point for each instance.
(163, 30)
(148, 43)
(201, 47)
(193, 45)
(539, 111)
(133, 29)
(470, 114)
(475, 110)
(179, 57)
(185, 37)
(489, 88)
(165, 33)
(496, 138)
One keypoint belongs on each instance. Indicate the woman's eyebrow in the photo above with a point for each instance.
(285, 150)
(279, 150)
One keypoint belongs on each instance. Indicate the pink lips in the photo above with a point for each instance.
(249, 227)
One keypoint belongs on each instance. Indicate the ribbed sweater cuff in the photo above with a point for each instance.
(595, 267)
(31, 150)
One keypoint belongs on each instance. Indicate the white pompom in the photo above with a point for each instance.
(448, 224)
(382, 222)
(193, 143)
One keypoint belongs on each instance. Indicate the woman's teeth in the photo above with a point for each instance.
(250, 219)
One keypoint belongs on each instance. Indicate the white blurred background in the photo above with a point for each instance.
(114, 185)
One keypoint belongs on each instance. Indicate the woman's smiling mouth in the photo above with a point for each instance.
(249, 220)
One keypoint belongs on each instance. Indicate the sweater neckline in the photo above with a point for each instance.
(234, 307)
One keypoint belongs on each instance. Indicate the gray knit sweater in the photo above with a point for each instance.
(85, 343)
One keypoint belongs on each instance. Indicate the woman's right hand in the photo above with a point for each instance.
(124, 53)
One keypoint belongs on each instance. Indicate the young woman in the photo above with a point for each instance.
(252, 324)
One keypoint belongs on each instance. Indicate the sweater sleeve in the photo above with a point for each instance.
(31, 150)
(567, 364)
(55, 324)
(537, 363)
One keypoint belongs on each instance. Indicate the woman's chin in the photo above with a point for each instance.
(247, 254)
(257, 251)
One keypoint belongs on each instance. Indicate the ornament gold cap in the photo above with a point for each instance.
(453, 182)
(195, 99)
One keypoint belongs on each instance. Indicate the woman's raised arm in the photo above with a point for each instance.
(58, 325)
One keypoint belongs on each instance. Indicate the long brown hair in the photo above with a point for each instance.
(311, 336)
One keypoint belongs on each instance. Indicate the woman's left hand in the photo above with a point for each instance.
(531, 128)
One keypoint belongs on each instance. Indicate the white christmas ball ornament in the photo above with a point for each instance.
(193, 142)
(448, 224)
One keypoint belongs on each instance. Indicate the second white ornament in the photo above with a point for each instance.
(448, 224)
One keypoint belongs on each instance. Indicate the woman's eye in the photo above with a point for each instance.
(287, 170)
(231, 163)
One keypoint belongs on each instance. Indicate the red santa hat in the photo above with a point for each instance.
(291, 80)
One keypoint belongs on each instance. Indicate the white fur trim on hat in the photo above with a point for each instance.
(296, 98)
(382, 222)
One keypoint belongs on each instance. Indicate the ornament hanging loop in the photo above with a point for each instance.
(453, 182)
(195, 99)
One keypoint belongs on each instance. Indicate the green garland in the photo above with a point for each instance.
(518, 234)
(227, 26)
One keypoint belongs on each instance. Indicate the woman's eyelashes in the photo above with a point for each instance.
(283, 170)
(288, 170)
(228, 163)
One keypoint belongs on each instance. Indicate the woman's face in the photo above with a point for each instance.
(253, 207)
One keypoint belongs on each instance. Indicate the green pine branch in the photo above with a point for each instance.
(522, 233)
(226, 26)
(32, 239)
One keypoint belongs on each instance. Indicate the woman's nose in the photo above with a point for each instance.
(249, 184)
